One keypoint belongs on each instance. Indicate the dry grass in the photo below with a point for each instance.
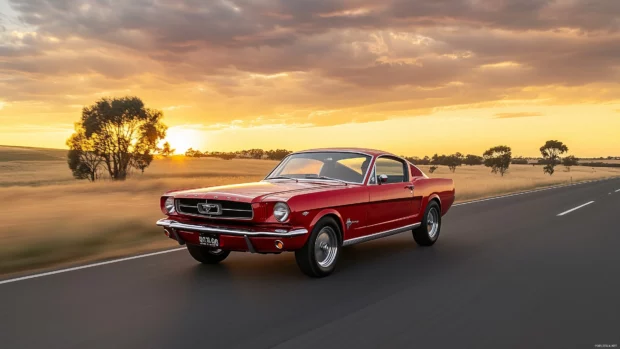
(9, 153)
(53, 224)
(45, 173)
(50, 224)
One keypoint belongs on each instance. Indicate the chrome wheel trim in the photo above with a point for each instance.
(326, 247)
(218, 251)
(432, 223)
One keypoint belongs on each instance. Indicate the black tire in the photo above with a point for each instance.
(319, 258)
(207, 255)
(425, 234)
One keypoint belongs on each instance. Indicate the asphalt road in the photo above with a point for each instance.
(506, 273)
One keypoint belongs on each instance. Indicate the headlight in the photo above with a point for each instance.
(281, 211)
(169, 205)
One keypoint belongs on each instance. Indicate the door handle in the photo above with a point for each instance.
(409, 186)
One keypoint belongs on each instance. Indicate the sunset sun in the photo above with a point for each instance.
(181, 139)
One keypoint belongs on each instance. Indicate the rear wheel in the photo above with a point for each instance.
(319, 255)
(207, 255)
(428, 233)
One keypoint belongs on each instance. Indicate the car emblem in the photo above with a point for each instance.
(209, 208)
(349, 222)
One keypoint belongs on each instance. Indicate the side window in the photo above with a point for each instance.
(395, 170)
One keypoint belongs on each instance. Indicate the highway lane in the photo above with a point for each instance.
(506, 273)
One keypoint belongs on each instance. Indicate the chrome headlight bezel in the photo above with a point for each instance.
(281, 211)
(169, 207)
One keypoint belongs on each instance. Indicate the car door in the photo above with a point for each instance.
(391, 203)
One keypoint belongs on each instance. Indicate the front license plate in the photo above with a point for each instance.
(209, 240)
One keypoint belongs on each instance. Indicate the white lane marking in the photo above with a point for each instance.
(530, 192)
(618, 190)
(89, 266)
(575, 209)
(183, 248)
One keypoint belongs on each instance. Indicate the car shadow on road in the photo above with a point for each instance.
(357, 258)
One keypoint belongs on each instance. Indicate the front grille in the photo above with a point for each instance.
(215, 208)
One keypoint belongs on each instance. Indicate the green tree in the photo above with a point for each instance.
(498, 159)
(551, 152)
(82, 158)
(570, 161)
(453, 161)
(124, 133)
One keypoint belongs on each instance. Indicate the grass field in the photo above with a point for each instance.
(51, 219)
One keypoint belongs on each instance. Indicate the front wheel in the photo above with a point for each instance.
(428, 232)
(319, 255)
(207, 255)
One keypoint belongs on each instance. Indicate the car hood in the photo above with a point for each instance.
(258, 191)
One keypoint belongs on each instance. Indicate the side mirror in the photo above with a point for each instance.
(382, 179)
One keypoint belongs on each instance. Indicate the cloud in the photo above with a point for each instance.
(516, 115)
(286, 60)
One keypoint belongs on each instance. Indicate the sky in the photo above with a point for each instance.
(410, 77)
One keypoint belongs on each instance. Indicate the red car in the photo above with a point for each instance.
(313, 203)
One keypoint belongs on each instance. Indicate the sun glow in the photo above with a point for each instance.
(182, 138)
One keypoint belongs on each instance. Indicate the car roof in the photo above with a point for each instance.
(371, 152)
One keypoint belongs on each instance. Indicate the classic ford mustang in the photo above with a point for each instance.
(313, 203)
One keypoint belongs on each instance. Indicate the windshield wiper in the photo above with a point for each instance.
(285, 177)
(330, 179)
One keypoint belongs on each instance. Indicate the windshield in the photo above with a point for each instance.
(348, 167)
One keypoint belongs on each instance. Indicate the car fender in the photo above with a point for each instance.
(433, 196)
(323, 213)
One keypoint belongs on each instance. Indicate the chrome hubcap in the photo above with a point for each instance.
(218, 251)
(326, 247)
(432, 223)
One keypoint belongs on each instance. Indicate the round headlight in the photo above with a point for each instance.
(281, 211)
(169, 205)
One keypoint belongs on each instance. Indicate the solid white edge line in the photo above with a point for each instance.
(182, 248)
(575, 209)
(89, 266)
(618, 190)
(530, 192)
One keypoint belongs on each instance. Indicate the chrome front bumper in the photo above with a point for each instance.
(174, 225)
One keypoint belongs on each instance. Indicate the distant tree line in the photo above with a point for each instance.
(452, 161)
(598, 164)
(499, 159)
(277, 154)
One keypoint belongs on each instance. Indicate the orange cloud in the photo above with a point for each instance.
(516, 115)
(302, 64)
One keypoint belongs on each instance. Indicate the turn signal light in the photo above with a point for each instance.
(279, 244)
